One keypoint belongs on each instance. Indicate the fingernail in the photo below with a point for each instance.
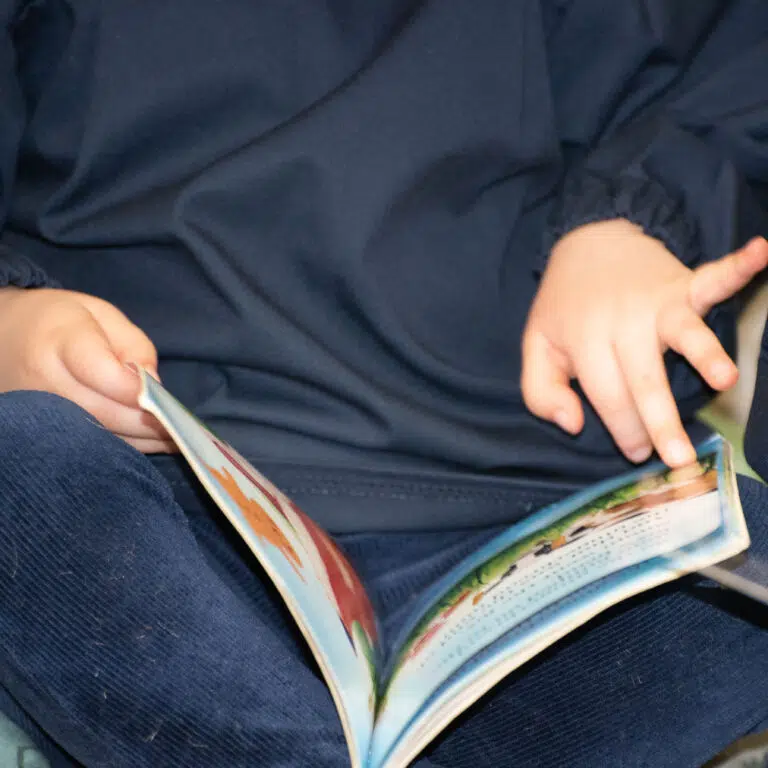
(641, 454)
(563, 421)
(679, 452)
(132, 367)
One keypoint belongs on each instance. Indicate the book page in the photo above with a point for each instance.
(546, 576)
(320, 587)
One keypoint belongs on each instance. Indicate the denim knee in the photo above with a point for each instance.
(29, 417)
(51, 449)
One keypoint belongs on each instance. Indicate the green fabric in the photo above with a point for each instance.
(733, 433)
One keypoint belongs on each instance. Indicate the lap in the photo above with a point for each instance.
(666, 679)
(118, 635)
(137, 633)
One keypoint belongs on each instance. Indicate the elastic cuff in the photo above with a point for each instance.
(19, 271)
(589, 197)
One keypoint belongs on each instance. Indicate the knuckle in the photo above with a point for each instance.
(611, 404)
(537, 395)
(679, 326)
(653, 406)
(37, 364)
(698, 345)
(645, 383)
(535, 400)
(619, 416)
(631, 440)
(671, 316)
(637, 447)
(691, 327)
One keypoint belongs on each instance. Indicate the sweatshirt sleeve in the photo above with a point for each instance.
(15, 268)
(662, 110)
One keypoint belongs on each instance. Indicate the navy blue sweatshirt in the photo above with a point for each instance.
(329, 215)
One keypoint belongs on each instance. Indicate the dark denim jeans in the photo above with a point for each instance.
(135, 631)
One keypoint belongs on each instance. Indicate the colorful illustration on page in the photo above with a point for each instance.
(329, 565)
(635, 499)
(259, 520)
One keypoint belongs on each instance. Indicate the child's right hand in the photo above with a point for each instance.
(76, 346)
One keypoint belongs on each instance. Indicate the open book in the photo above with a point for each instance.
(519, 593)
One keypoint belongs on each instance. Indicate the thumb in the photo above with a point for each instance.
(128, 341)
(545, 384)
(721, 279)
(96, 357)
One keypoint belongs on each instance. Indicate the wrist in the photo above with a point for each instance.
(605, 228)
(616, 248)
(7, 292)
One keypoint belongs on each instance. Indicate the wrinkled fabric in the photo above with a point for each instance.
(329, 216)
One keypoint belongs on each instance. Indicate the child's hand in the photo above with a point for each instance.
(612, 300)
(75, 346)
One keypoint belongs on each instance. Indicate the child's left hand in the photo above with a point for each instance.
(611, 302)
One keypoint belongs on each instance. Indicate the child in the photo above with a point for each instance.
(323, 223)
